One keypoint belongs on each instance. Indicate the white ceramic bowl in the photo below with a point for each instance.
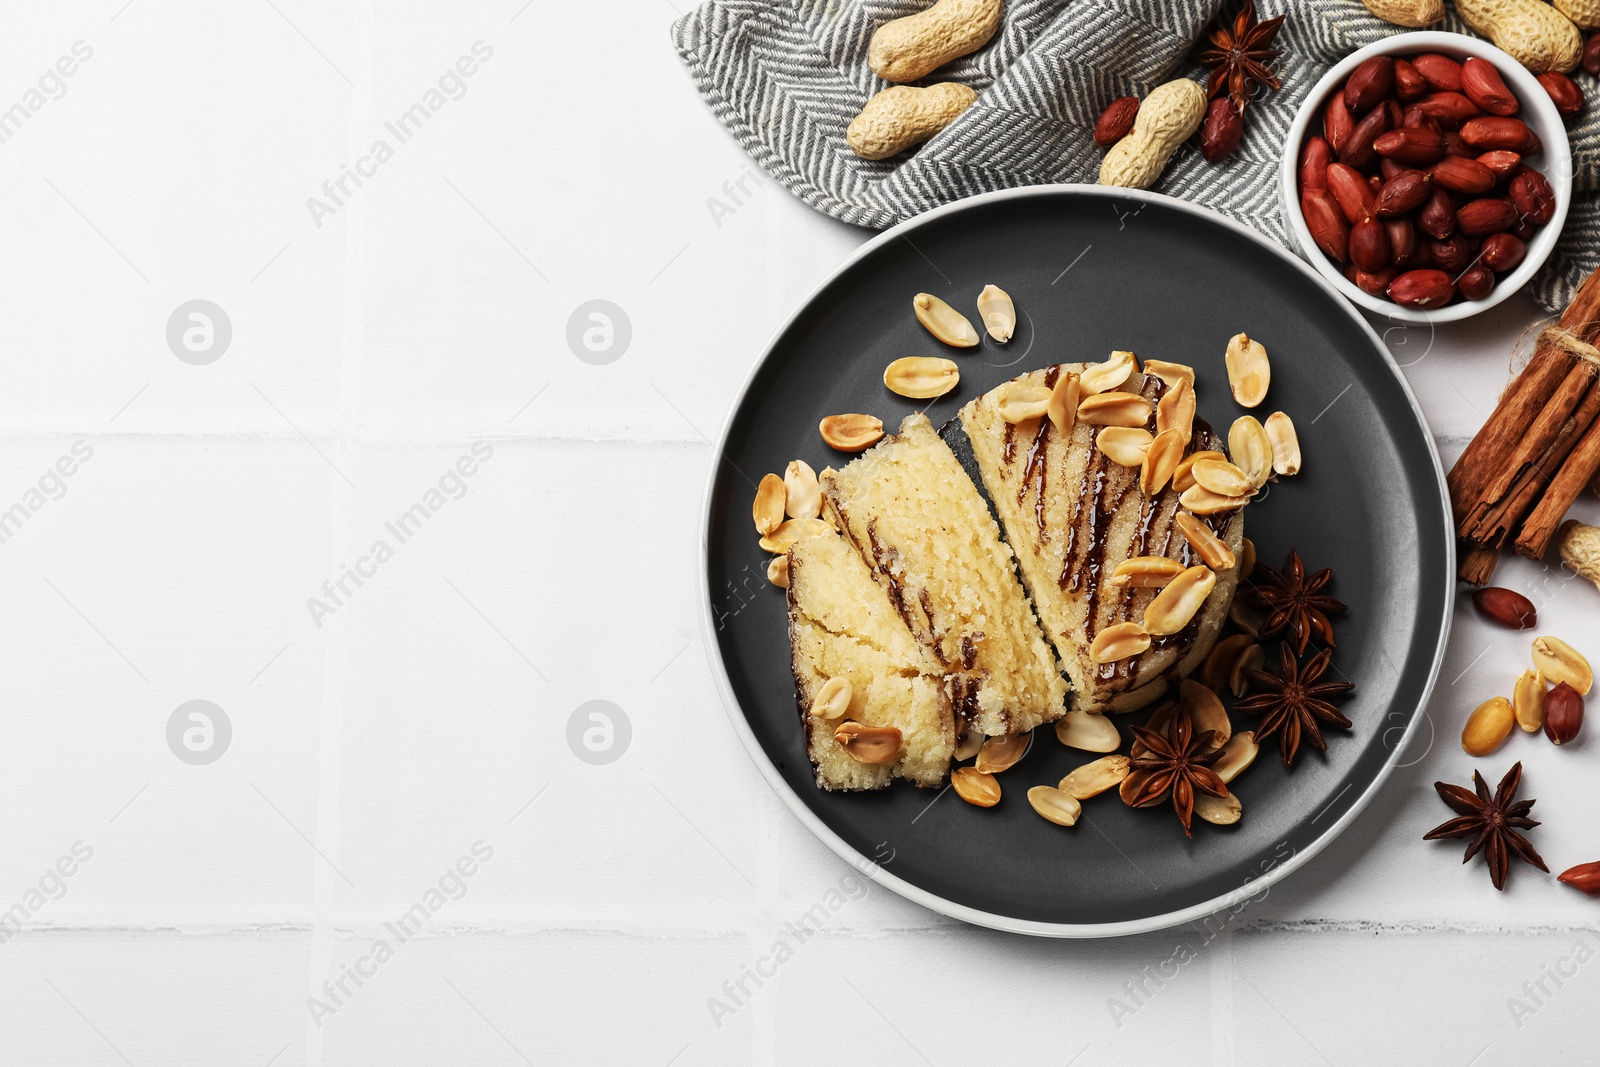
(1555, 163)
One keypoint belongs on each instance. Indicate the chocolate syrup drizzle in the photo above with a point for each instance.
(1102, 492)
(1035, 470)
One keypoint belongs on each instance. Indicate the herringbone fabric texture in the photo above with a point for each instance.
(786, 77)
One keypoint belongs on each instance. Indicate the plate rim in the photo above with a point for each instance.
(932, 901)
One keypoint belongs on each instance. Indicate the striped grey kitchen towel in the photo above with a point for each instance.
(786, 77)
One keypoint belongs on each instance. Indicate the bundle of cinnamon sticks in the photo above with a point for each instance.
(1539, 448)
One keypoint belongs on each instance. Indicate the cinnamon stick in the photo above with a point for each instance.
(1477, 563)
(1488, 451)
(1536, 451)
(1494, 524)
(1541, 433)
(1545, 519)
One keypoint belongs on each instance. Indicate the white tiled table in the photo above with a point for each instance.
(375, 341)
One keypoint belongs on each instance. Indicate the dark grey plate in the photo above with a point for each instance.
(1091, 270)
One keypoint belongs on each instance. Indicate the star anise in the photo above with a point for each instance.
(1180, 762)
(1295, 602)
(1240, 56)
(1495, 820)
(1291, 702)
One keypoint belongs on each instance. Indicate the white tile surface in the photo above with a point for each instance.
(429, 712)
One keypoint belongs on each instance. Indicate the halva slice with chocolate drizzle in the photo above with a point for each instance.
(933, 547)
(1072, 514)
(842, 625)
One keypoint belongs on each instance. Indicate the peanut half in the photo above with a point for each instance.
(1560, 662)
(802, 497)
(1126, 445)
(1527, 700)
(1002, 753)
(1246, 617)
(1118, 642)
(1114, 409)
(1251, 659)
(832, 701)
(1063, 406)
(1183, 477)
(1205, 711)
(1249, 372)
(1206, 544)
(1487, 727)
(1161, 461)
(1237, 754)
(944, 321)
(969, 744)
(869, 744)
(998, 313)
(1104, 377)
(1177, 603)
(1222, 478)
(778, 571)
(1146, 572)
(1218, 811)
(1171, 373)
(976, 787)
(1251, 449)
(1094, 778)
(767, 509)
(921, 377)
(1092, 733)
(1175, 410)
(792, 531)
(1285, 443)
(1019, 401)
(1202, 501)
(851, 433)
(1218, 664)
(1056, 806)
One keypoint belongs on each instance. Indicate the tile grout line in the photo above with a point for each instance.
(1223, 1014)
(330, 757)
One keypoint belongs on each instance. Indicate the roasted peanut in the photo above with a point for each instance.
(1580, 549)
(1167, 118)
(1118, 642)
(976, 787)
(909, 48)
(1411, 13)
(998, 313)
(1095, 777)
(921, 377)
(851, 433)
(869, 744)
(1054, 805)
(1560, 662)
(802, 498)
(1534, 33)
(1488, 727)
(767, 509)
(944, 321)
(904, 116)
(1002, 753)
